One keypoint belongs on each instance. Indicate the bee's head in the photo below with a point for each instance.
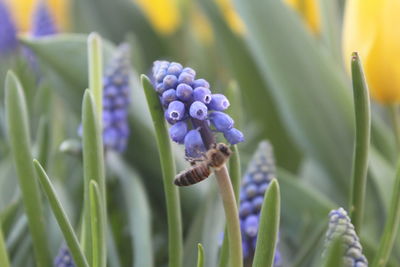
(224, 149)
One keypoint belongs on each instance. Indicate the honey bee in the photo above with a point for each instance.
(202, 167)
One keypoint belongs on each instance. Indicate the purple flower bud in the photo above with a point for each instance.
(107, 118)
(262, 188)
(170, 81)
(257, 203)
(194, 146)
(189, 71)
(221, 121)
(201, 83)
(8, 30)
(178, 131)
(160, 88)
(123, 129)
(110, 91)
(246, 250)
(120, 114)
(184, 92)
(202, 94)
(234, 136)
(174, 68)
(64, 258)
(198, 110)
(110, 137)
(120, 101)
(251, 225)
(176, 110)
(107, 103)
(43, 22)
(219, 102)
(186, 77)
(245, 209)
(251, 190)
(168, 96)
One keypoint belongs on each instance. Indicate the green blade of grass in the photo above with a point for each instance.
(95, 59)
(19, 135)
(61, 217)
(391, 226)
(93, 167)
(200, 255)
(4, 260)
(268, 227)
(97, 226)
(175, 247)
(363, 132)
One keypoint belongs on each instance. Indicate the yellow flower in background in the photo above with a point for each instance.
(163, 14)
(202, 27)
(231, 16)
(309, 9)
(22, 11)
(371, 28)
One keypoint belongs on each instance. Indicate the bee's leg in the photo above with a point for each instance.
(191, 160)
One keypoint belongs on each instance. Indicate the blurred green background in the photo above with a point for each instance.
(294, 90)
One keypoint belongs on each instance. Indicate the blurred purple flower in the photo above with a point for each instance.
(64, 258)
(8, 31)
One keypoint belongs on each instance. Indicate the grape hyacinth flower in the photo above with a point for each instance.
(259, 174)
(340, 226)
(191, 108)
(64, 258)
(42, 21)
(116, 101)
(8, 31)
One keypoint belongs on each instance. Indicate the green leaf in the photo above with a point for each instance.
(391, 226)
(308, 86)
(200, 255)
(4, 260)
(363, 132)
(168, 169)
(334, 254)
(97, 225)
(93, 166)
(19, 136)
(61, 216)
(96, 71)
(267, 236)
(138, 211)
(255, 92)
(66, 74)
(43, 140)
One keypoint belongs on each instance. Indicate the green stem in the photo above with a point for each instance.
(394, 114)
(18, 132)
(168, 171)
(391, 225)
(93, 168)
(362, 141)
(200, 255)
(4, 260)
(61, 217)
(96, 71)
(232, 216)
(235, 173)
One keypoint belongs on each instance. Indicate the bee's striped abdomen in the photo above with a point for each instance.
(193, 175)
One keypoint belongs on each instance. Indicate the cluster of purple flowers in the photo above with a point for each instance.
(116, 100)
(259, 174)
(64, 258)
(8, 31)
(189, 105)
(42, 21)
(340, 226)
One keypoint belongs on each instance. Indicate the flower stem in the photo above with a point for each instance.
(394, 114)
(232, 216)
(391, 225)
